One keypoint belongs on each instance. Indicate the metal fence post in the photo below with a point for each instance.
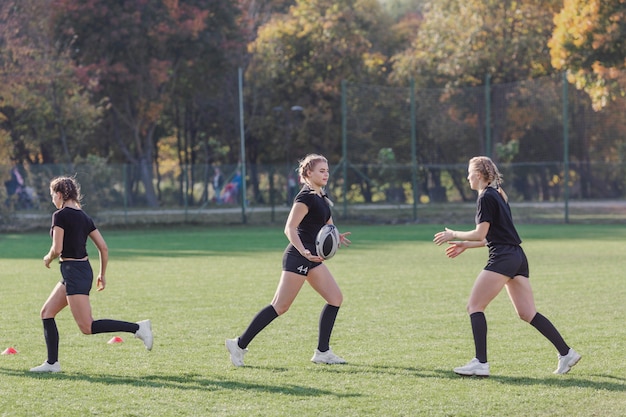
(414, 151)
(344, 146)
(565, 147)
(488, 115)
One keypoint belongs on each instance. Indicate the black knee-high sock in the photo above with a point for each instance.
(479, 329)
(110, 326)
(547, 329)
(258, 323)
(327, 322)
(51, 335)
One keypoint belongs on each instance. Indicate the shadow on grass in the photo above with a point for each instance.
(613, 383)
(182, 382)
(563, 382)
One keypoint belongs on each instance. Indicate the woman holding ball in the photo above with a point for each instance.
(309, 212)
(507, 267)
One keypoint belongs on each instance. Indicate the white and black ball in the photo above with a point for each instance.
(327, 241)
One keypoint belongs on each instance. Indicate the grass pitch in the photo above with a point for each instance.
(402, 328)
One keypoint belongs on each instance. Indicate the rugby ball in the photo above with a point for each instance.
(327, 241)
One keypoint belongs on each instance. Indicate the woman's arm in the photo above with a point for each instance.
(456, 247)
(297, 213)
(57, 246)
(103, 252)
(477, 235)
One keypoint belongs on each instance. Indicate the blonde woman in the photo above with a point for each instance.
(71, 227)
(507, 267)
(309, 212)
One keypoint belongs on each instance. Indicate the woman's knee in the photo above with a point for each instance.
(475, 308)
(335, 299)
(527, 316)
(85, 327)
(47, 312)
(281, 308)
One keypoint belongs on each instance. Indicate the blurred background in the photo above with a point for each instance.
(179, 111)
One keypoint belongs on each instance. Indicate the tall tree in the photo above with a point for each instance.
(44, 111)
(461, 41)
(133, 53)
(299, 60)
(458, 44)
(588, 40)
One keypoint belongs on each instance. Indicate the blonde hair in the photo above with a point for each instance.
(490, 173)
(68, 187)
(308, 163)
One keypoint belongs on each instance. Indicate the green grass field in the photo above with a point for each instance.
(402, 328)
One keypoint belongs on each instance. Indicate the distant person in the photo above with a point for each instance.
(70, 228)
(218, 184)
(292, 188)
(16, 182)
(310, 211)
(507, 267)
(237, 182)
(26, 196)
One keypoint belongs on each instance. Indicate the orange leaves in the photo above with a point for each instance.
(588, 41)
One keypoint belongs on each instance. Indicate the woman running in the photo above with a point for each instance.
(507, 267)
(309, 212)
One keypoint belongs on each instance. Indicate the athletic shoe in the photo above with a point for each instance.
(566, 362)
(327, 357)
(46, 367)
(474, 367)
(236, 353)
(145, 333)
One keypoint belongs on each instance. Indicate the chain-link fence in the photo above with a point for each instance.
(114, 197)
(542, 133)
(400, 154)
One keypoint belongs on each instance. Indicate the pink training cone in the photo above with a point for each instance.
(9, 351)
(115, 340)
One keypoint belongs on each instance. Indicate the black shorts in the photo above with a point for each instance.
(294, 262)
(508, 260)
(77, 277)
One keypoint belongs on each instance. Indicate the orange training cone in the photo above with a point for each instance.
(115, 340)
(9, 351)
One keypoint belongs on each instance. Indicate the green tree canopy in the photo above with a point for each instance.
(460, 41)
(301, 57)
(135, 54)
(45, 113)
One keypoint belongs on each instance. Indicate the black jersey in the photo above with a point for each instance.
(492, 208)
(76, 225)
(318, 215)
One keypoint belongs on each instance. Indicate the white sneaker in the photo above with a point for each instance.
(474, 367)
(236, 353)
(145, 333)
(327, 357)
(46, 367)
(566, 362)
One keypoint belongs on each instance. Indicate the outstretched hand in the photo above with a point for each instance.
(313, 258)
(343, 239)
(442, 237)
(455, 249)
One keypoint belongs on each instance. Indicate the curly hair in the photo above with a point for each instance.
(490, 173)
(68, 187)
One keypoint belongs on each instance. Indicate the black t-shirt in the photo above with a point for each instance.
(76, 225)
(492, 208)
(318, 215)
